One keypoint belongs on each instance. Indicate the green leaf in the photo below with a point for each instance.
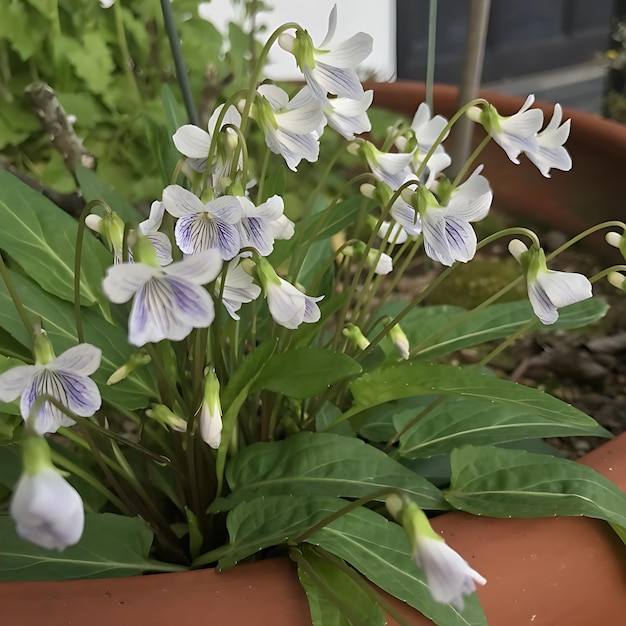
(42, 239)
(320, 464)
(335, 598)
(274, 183)
(58, 319)
(174, 116)
(111, 546)
(305, 372)
(273, 520)
(331, 220)
(514, 483)
(418, 379)
(495, 322)
(456, 422)
(95, 189)
(379, 549)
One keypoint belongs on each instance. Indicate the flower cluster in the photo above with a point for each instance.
(218, 278)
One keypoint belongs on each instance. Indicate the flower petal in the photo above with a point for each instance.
(123, 280)
(200, 268)
(192, 141)
(153, 223)
(13, 382)
(83, 359)
(564, 288)
(348, 53)
(335, 80)
(276, 96)
(168, 308)
(82, 394)
(179, 202)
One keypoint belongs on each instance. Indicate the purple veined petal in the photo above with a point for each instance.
(209, 234)
(542, 306)
(312, 312)
(335, 80)
(348, 53)
(48, 418)
(13, 382)
(200, 268)
(405, 215)
(227, 208)
(461, 239)
(319, 91)
(197, 165)
(179, 202)
(301, 120)
(192, 141)
(258, 234)
(162, 246)
(168, 308)
(547, 158)
(436, 243)
(83, 395)
(303, 97)
(294, 148)
(471, 200)
(276, 96)
(122, 281)
(83, 359)
(564, 288)
(191, 233)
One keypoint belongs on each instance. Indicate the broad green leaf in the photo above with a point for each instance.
(335, 598)
(42, 239)
(497, 321)
(305, 372)
(258, 523)
(322, 464)
(111, 546)
(12, 408)
(379, 549)
(418, 379)
(274, 183)
(174, 117)
(514, 483)
(93, 188)
(58, 320)
(456, 422)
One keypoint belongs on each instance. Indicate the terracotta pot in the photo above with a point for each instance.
(560, 571)
(572, 201)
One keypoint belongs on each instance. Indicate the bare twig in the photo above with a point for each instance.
(58, 125)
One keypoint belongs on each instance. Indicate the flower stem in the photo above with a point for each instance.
(16, 299)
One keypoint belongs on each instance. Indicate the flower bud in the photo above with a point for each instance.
(211, 412)
(161, 414)
(617, 241)
(355, 336)
(135, 361)
(617, 280)
(400, 341)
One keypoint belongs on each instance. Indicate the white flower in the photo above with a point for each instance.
(349, 117)
(257, 227)
(210, 226)
(448, 575)
(329, 69)
(390, 167)
(381, 262)
(194, 142)
(238, 288)
(548, 290)
(550, 152)
(65, 378)
(290, 307)
(289, 126)
(47, 510)
(404, 215)
(211, 412)
(160, 241)
(515, 133)
(168, 301)
(448, 235)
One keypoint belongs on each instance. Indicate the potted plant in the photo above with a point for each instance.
(231, 377)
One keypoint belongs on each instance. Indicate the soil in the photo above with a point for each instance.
(585, 367)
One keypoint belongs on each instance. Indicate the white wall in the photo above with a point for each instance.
(376, 17)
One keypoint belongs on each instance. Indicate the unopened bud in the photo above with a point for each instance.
(617, 280)
(164, 416)
(400, 341)
(355, 336)
(135, 361)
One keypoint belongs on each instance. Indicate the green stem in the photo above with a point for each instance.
(16, 299)
(179, 61)
(586, 233)
(459, 177)
(431, 54)
(263, 174)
